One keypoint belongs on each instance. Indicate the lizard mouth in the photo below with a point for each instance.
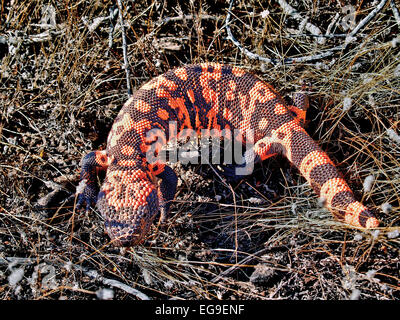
(126, 234)
(129, 211)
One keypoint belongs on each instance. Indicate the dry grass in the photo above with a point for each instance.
(267, 237)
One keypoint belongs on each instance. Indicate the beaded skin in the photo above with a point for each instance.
(200, 98)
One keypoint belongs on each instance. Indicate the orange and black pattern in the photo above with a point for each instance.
(203, 96)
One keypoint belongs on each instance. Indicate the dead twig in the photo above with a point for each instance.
(112, 17)
(396, 13)
(288, 9)
(238, 265)
(93, 274)
(230, 37)
(308, 58)
(368, 18)
(44, 36)
(124, 49)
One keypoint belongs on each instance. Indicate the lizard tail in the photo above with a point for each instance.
(321, 173)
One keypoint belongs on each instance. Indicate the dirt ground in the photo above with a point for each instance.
(62, 82)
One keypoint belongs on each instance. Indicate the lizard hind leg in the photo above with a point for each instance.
(299, 107)
(169, 181)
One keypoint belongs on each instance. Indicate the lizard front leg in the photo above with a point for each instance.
(88, 189)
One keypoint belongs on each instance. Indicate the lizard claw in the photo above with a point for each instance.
(86, 193)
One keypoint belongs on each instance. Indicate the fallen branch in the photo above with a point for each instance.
(308, 58)
(126, 288)
(396, 13)
(230, 37)
(364, 21)
(314, 30)
(45, 36)
(93, 274)
(124, 49)
(186, 17)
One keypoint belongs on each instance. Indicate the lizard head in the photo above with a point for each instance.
(128, 201)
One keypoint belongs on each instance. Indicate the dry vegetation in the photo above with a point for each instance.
(61, 86)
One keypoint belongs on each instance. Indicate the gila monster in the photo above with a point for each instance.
(202, 96)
